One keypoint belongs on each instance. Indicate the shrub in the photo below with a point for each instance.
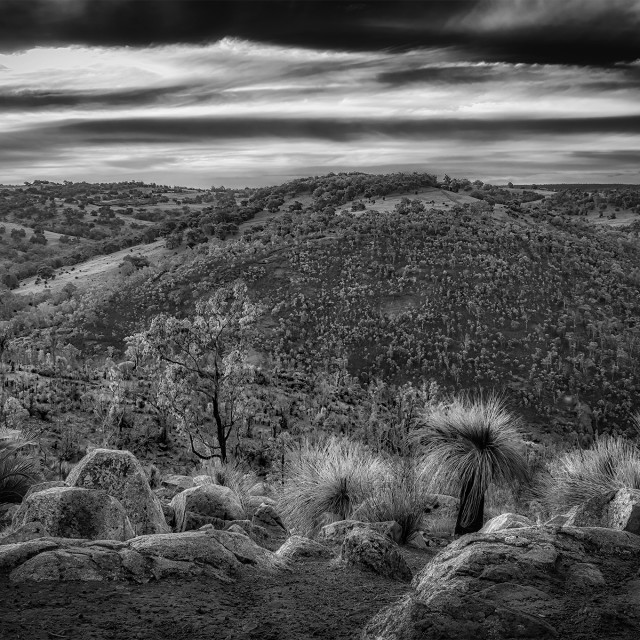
(577, 476)
(402, 495)
(473, 443)
(333, 476)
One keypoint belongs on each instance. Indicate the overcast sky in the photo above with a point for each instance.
(201, 92)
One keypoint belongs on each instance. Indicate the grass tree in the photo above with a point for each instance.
(470, 444)
(203, 367)
(17, 471)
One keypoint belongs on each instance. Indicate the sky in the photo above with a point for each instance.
(233, 93)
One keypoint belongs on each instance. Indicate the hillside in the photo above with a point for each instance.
(367, 284)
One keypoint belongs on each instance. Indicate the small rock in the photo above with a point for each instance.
(506, 521)
(584, 575)
(624, 511)
(268, 518)
(337, 531)
(28, 531)
(199, 481)
(592, 513)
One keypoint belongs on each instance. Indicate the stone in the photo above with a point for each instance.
(41, 486)
(253, 503)
(592, 513)
(417, 541)
(375, 552)
(261, 489)
(72, 512)
(190, 546)
(198, 481)
(513, 583)
(624, 511)
(268, 518)
(169, 514)
(258, 534)
(206, 500)
(337, 531)
(584, 575)
(13, 555)
(246, 550)
(194, 521)
(558, 520)
(28, 531)
(122, 476)
(298, 548)
(506, 521)
(173, 484)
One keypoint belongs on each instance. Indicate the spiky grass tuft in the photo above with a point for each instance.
(577, 476)
(333, 476)
(473, 443)
(17, 472)
(403, 495)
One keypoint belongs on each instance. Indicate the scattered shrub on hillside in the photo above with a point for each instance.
(333, 476)
(473, 443)
(577, 476)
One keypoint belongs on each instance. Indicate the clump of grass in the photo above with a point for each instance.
(333, 476)
(473, 443)
(575, 477)
(402, 495)
(17, 472)
(234, 474)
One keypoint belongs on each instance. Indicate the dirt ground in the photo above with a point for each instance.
(317, 599)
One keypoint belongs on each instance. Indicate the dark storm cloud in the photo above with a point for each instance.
(580, 32)
(20, 100)
(165, 130)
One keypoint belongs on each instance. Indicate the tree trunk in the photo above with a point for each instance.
(478, 519)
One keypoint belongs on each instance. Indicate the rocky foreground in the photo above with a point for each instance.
(105, 527)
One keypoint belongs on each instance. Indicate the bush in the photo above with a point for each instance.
(403, 495)
(574, 478)
(333, 477)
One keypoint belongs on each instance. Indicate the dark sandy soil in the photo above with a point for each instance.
(317, 599)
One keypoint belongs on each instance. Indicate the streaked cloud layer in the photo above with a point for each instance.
(488, 94)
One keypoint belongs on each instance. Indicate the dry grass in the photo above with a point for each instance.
(233, 474)
(333, 477)
(577, 476)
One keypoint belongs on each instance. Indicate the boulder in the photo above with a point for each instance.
(194, 521)
(506, 521)
(72, 512)
(375, 552)
(519, 583)
(121, 475)
(198, 481)
(269, 519)
(418, 540)
(246, 550)
(29, 531)
(592, 513)
(41, 486)
(337, 531)
(206, 500)
(173, 484)
(13, 555)
(192, 546)
(253, 503)
(624, 511)
(297, 548)
(258, 534)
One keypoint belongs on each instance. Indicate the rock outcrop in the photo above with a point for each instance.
(213, 553)
(618, 510)
(72, 512)
(208, 500)
(121, 475)
(533, 582)
(336, 532)
(375, 552)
